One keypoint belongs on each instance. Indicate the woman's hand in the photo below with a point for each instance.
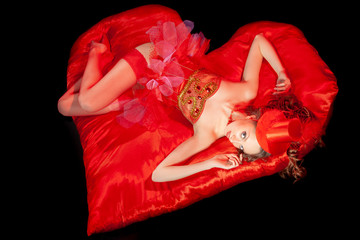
(225, 161)
(283, 83)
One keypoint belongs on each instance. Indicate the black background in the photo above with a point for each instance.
(319, 206)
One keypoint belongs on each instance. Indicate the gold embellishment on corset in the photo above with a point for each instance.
(200, 86)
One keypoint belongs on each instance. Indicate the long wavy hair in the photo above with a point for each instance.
(292, 108)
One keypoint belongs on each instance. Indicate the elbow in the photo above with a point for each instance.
(250, 95)
(156, 177)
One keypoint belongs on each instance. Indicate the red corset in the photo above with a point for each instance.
(199, 87)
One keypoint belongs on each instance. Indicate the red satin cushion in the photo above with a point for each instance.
(119, 161)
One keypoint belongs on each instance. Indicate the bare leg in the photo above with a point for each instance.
(92, 73)
(97, 91)
(96, 94)
(68, 104)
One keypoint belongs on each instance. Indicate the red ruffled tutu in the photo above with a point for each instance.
(119, 160)
(177, 54)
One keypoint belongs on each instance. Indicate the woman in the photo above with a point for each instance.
(96, 94)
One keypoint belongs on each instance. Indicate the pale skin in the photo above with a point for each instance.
(96, 94)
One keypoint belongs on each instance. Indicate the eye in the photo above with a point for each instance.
(243, 135)
(241, 147)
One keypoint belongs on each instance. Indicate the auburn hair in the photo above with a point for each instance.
(292, 108)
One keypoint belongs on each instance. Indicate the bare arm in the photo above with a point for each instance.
(267, 51)
(165, 171)
(261, 49)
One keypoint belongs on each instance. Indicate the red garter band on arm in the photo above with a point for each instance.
(136, 61)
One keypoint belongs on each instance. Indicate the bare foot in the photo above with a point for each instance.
(97, 47)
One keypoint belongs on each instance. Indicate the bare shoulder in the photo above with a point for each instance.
(235, 92)
(204, 134)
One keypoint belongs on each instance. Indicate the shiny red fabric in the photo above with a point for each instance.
(136, 61)
(275, 133)
(119, 161)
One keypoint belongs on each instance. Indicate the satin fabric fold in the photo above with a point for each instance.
(119, 161)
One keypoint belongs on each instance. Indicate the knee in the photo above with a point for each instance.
(86, 105)
(62, 107)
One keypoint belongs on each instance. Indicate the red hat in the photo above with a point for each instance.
(275, 133)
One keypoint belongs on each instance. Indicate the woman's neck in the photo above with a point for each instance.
(236, 115)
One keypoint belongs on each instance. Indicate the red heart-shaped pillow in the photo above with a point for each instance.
(119, 161)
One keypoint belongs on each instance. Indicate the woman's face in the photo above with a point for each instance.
(242, 134)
